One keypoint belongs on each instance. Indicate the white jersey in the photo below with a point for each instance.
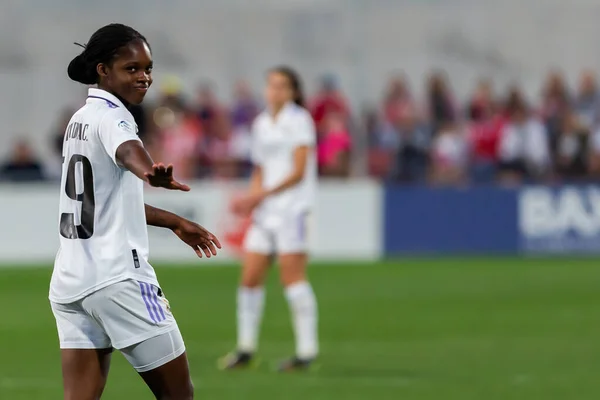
(102, 221)
(273, 144)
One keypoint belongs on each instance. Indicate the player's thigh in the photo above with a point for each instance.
(292, 240)
(85, 351)
(131, 312)
(162, 363)
(258, 250)
(254, 269)
(171, 381)
(77, 329)
(85, 372)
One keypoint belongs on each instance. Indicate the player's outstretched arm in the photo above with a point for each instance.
(161, 218)
(133, 156)
(189, 232)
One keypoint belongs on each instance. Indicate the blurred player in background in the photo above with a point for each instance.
(104, 294)
(280, 199)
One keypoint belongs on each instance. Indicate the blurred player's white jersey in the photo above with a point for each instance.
(102, 221)
(273, 146)
(279, 222)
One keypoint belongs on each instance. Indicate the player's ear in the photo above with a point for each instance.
(102, 70)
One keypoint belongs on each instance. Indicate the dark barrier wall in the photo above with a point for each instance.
(533, 220)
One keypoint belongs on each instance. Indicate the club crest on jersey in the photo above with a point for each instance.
(126, 126)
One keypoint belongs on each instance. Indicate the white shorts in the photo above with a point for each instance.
(121, 315)
(279, 235)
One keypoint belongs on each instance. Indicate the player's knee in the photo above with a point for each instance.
(290, 276)
(251, 282)
(291, 279)
(293, 268)
(252, 278)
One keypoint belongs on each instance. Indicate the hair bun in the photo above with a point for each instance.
(81, 71)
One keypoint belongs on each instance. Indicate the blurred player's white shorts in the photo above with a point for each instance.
(279, 234)
(130, 316)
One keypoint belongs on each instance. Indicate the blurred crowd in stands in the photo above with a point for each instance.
(496, 135)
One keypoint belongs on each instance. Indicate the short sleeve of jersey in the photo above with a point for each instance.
(116, 128)
(303, 129)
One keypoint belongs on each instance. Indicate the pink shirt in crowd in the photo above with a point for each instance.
(333, 143)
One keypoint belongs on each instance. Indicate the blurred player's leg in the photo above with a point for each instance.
(84, 372)
(250, 297)
(303, 307)
(250, 306)
(251, 300)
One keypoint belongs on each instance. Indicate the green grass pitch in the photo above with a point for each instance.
(429, 329)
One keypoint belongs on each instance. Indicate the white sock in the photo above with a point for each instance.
(303, 306)
(250, 305)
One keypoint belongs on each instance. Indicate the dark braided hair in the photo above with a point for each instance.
(294, 80)
(102, 48)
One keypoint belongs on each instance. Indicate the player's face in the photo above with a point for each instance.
(130, 74)
(278, 91)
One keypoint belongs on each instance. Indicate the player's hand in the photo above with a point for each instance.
(244, 205)
(197, 238)
(162, 176)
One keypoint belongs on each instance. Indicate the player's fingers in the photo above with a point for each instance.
(212, 249)
(206, 235)
(215, 240)
(180, 186)
(198, 251)
(206, 250)
(170, 169)
(159, 169)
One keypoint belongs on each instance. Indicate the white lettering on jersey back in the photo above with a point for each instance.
(273, 145)
(102, 221)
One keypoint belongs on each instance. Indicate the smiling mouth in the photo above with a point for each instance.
(141, 88)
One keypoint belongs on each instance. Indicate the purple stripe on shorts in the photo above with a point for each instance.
(146, 300)
(155, 298)
(302, 226)
(149, 295)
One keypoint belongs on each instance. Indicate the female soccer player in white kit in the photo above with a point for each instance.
(280, 199)
(104, 294)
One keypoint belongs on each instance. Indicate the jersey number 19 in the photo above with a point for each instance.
(85, 230)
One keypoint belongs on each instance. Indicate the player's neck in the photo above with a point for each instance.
(276, 110)
(122, 100)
